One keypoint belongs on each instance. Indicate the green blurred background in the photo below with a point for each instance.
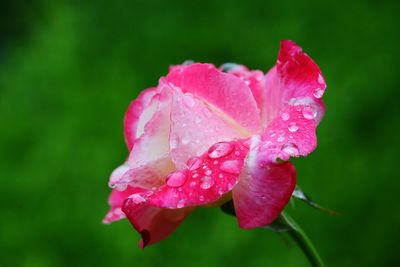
(68, 70)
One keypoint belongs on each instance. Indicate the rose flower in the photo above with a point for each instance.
(205, 136)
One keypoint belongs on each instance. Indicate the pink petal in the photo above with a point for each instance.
(147, 176)
(263, 191)
(299, 75)
(195, 128)
(293, 109)
(154, 142)
(154, 224)
(149, 160)
(255, 81)
(205, 179)
(222, 91)
(292, 134)
(295, 80)
(115, 200)
(139, 112)
(291, 112)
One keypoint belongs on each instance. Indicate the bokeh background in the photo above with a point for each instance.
(68, 70)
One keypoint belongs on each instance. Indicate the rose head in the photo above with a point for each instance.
(204, 136)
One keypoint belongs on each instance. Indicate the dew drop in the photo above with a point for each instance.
(231, 166)
(136, 198)
(192, 184)
(318, 93)
(220, 191)
(194, 163)
(173, 142)
(121, 186)
(208, 172)
(290, 149)
(309, 113)
(285, 116)
(176, 179)
(281, 138)
(185, 141)
(292, 101)
(206, 182)
(181, 204)
(189, 100)
(219, 150)
(293, 127)
(237, 153)
(220, 176)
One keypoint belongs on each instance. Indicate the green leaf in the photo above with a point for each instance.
(299, 194)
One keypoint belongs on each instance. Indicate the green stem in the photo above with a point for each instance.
(304, 242)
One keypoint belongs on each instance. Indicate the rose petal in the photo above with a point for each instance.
(139, 112)
(149, 160)
(194, 128)
(205, 180)
(293, 109)
(290, 135)
(295, 80)
(300, 76)
(147, 176)
(263, 190)
(154, 142)
(254, 80)
(154, 224)
(224, 92)
(115, 200)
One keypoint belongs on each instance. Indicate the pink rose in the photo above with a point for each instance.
(204, 136)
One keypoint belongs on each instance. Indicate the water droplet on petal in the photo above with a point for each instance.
(194, 163)
(293, 127)
(173, 142)
(181, 204)
(309, 113)
(290, 149)
(176, 179)
(189, 100)
(121, 186)
(220, 176)
(219, 150)
(136, 198)
(206, 182)
(318, 93)
(281, 138)
(208, 172)
(285, 116)
(220, 191)
(292, 101)
(231, 166)
(192, 183)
